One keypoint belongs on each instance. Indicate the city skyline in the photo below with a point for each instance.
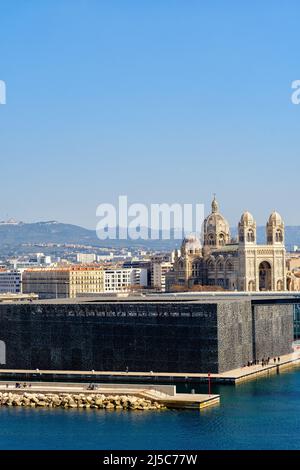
(162, 102)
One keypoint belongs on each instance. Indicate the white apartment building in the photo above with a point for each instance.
(85, 258)
(10, 282)
(103, 258)
(139, 277)
(40, 259)
(158, 274)
(122, 279)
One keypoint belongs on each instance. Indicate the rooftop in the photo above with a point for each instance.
(188, 297)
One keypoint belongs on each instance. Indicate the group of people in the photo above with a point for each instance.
(264, 362)
(92, 387)
(19, 385)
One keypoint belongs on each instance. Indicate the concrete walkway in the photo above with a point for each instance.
(232, 376)
(170, 400)
(247, 373)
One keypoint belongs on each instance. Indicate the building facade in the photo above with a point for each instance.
(124, 279)
(85, 258)
(63, 282)
(173, 336)
(10, 282)
(223, 262)
(158, 275)
(75, 281)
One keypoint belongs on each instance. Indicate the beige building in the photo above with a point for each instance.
(231, 264)
(293, 272)
(63, 282)
(158, 274)
(160, 264)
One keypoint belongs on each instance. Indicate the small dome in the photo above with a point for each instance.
(191, 243)
(275, 218)
(247, 218)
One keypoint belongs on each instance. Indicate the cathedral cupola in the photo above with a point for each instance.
(247, 229)
(191, 245)
(216, 228)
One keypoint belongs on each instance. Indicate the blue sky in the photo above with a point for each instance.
(162, 100)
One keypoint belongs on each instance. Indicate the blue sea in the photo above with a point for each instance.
(262, 414)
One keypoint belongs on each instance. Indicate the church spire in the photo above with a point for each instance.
(214, 205)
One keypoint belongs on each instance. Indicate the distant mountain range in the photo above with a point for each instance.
(13, 234)
(16, 234)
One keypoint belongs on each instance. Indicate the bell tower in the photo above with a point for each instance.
(247, 229)
(275, 229)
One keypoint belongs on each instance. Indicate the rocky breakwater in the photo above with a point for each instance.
(80, 400)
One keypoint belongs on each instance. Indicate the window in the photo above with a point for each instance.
(278, 236)
(229, 267)
(220, 266)
(221, 239)
(250, 236)
(211, 240)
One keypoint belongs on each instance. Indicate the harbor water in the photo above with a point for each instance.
(261, 414)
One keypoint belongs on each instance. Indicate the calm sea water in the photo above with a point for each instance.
(263, 414)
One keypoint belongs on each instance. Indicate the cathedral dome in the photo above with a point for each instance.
(216, 221)
(191, 244)
(275, 219)
(216, 228)
(247, 218)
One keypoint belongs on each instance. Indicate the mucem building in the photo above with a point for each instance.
(162, 335)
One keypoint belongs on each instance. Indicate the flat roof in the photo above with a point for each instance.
(188, 297)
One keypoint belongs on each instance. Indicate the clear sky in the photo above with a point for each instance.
(160, 100)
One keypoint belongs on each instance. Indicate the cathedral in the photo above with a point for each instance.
(235, 265)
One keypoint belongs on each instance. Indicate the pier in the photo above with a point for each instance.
(165, 395)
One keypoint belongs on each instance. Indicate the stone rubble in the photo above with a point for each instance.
(79, 400)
